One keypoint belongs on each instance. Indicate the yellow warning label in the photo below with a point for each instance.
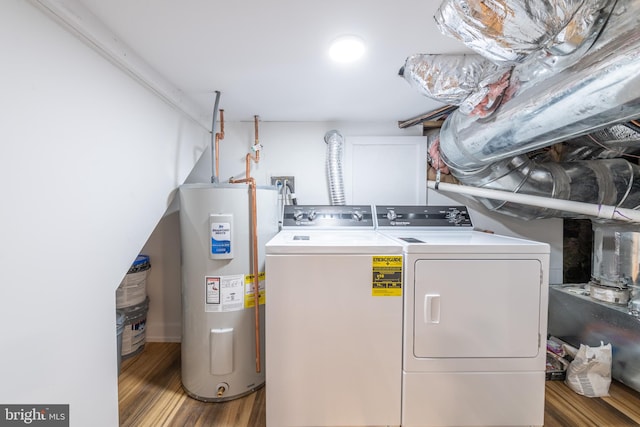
(386, 276)
(249, 295)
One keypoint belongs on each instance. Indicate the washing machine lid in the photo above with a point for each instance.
(312, 241)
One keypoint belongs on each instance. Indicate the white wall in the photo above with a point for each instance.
(296, 149)
(88, 162)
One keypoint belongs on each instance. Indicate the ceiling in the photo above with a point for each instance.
(269, 57)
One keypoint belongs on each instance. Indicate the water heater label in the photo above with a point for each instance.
(221, 227)
(220, 238)
(213, 289)
(249, 292)
(224, 293)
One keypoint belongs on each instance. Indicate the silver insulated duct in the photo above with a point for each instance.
(510, 31)
(439, 77)
(601, 89)
(573, 80)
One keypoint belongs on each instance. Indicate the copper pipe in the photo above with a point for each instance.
(254, 238)
(219, 137)
(256, 143)
(254, 224)
(256, 271)
(254, 256)
(248, 165)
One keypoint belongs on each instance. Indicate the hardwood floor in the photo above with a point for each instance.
(150, 394)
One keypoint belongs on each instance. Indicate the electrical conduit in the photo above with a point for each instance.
(219, 137)
(214, 150)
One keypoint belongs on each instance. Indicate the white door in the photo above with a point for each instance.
(476, 308)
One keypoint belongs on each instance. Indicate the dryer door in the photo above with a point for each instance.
(477, 308)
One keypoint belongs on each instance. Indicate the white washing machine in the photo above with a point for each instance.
(475, 320)
(333, 320)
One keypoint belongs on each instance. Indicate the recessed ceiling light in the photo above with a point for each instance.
(346, 49)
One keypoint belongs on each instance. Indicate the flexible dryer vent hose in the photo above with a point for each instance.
(335, 143)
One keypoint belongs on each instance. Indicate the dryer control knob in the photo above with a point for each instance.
(391, 215)
(297, 215)
(357, 215)
(311, 215)
(454, 217)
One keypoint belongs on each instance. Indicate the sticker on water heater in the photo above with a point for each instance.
(224, 293)
(232, 292)
(220, 238)
(213, 289)
(386, 276)
(249, 294)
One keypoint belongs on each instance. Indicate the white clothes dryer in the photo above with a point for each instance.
(333, 320)
(475, 320)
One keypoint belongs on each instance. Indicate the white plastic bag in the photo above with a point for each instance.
(589, 374)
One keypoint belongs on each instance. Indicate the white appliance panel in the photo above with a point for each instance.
(472, 308)
(445, 399)
(475, 320)
(334, 351)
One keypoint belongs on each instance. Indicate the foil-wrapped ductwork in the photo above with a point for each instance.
(462, 80)
(510, 31)
(565, 118)
(598, 91)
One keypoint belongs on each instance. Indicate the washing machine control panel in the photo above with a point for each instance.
(319, 216)
(423, 216)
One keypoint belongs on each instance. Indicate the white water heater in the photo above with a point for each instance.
(219, 357)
